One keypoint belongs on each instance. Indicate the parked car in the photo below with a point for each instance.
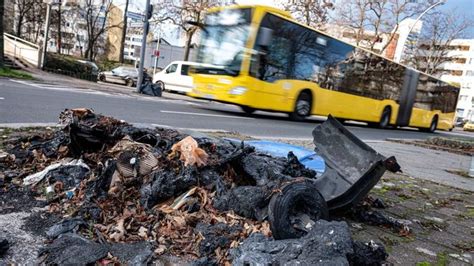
(121, 75)
(175, 76)
(469, 126)
(460, 122)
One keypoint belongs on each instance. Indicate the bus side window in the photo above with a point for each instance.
(271, 62)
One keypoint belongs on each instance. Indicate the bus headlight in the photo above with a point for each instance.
(237, 91)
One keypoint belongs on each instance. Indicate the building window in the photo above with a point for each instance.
(471, 61)
(464, 48)
(460, 60)
(459, 112)
(470, 73)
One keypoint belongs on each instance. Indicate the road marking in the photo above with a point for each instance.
(201, 114)
(20, 125)
(1, 98)
(68, 89)
(95, 92)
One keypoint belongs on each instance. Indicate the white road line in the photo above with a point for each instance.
(69, 89)
(201, 114)
(20, 125)
(2, 98)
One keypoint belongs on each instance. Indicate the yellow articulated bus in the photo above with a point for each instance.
(259, 58)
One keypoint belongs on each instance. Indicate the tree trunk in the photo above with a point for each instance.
(189, 36)
(59, 31)
(124, 33)
(1, 32)
(86, 55)
(90, 50)
(18, 26)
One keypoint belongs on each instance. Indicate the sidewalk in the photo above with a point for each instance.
(419, 162)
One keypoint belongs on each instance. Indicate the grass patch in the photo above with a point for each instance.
(469, 214)
(423, 263)
(459, 173)
(441, 259)
(466, 246)
(11, 73)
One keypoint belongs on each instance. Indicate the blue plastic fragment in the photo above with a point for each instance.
(307, 157)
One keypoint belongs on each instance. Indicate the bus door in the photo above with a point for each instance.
(272, 71)
(407, 97)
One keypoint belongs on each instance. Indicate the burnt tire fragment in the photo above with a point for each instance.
(292, 211)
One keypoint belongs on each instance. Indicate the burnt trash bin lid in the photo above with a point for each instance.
(352, 167)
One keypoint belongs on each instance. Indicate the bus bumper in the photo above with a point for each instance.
(222, 89)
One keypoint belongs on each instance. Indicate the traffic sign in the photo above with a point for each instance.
(136, 25)
(136, 16)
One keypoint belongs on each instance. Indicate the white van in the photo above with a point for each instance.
(175, 76)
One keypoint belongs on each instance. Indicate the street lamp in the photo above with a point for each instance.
(414, 24)
(49, 4)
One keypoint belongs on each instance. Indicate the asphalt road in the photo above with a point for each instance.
(33, 102)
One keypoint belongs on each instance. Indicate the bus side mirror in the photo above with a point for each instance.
(264, 36)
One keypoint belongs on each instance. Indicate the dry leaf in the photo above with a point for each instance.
(117, 236)
(191, 154)
(160, 249)
(143, 232)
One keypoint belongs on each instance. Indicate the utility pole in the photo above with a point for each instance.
(146, 25)
(59, 31)
(124, 32)
(414, 24)
(157, 55)
(45, 38)
(2, 11)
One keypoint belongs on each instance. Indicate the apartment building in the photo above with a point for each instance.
(460, 70)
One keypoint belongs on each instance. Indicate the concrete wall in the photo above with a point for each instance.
(21, 49)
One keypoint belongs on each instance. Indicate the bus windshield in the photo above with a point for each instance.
(223, 41)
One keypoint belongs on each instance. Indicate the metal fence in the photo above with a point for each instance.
(21, 49)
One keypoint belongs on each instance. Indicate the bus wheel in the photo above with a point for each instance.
(433, 125)
(302, 107)
(248, 110)
(385, 118)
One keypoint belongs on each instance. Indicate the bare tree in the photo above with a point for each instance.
(435, 45)
(313, 13)
(36, 18)
(370, 21)
(8, 16)
(180, 12)
(21, 10)
(57, 20)
(96, 15)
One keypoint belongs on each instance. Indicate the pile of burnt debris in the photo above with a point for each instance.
(137, 195)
